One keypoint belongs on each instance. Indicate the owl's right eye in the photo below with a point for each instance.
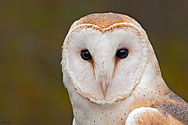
(85, 54)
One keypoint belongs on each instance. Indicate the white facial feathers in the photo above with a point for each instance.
(105, 79)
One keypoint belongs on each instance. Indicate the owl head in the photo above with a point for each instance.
(105, 57)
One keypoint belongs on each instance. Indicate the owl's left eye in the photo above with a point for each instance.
(85, 54)
(122, 53)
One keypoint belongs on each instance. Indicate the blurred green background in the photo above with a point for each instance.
(31, 35)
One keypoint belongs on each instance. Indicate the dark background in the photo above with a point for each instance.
(31, 35)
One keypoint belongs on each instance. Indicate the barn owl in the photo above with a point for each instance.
(113, 77)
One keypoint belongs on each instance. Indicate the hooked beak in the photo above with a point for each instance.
(104, 87)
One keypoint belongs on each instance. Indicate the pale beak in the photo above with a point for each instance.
(104, 87)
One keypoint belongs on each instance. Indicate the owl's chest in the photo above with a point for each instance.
(107, 114)
(101, 115)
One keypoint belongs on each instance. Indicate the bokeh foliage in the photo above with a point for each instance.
(31, 35)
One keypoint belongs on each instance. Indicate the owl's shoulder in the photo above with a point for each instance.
(175, 106)
(173, 110)
(149, 115)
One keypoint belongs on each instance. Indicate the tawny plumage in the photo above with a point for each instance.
(113, 77)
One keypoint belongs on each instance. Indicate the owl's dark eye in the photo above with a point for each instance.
(122, 53)
(85, 55)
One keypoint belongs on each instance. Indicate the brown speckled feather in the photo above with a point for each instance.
(176, 107)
